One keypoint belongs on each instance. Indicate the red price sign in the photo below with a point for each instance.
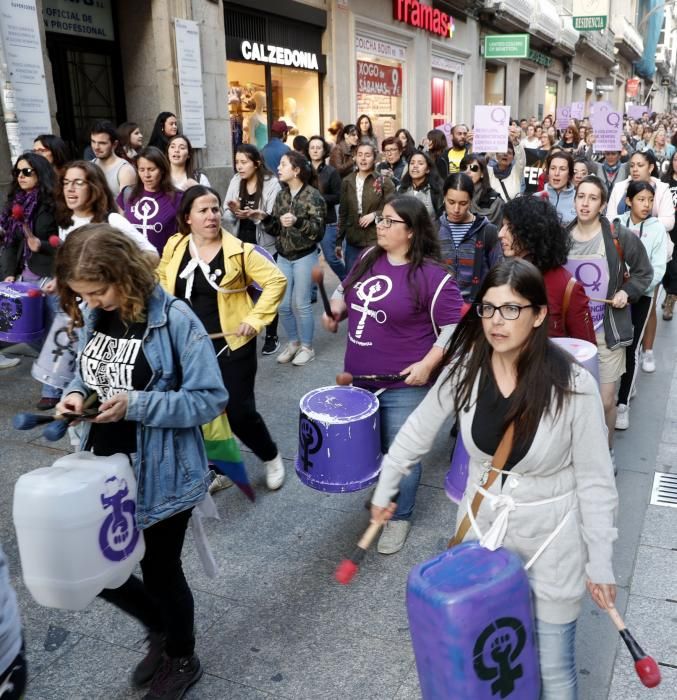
(375, 79)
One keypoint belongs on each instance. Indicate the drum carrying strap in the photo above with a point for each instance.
(498, 462)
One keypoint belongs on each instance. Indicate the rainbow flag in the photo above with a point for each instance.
(223, 453)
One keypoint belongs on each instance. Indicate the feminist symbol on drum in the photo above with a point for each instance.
(144, 210)
(496, 649)
(10, 312)
(372, 289)
(310, 440)
(118, 535)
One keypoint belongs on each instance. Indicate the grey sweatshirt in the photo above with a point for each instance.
(10, 624)
(569, 455)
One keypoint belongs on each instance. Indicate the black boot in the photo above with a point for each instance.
(147, 667)
(174, 677)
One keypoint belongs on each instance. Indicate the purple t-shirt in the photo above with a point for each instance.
(387, 329)
(154, 215)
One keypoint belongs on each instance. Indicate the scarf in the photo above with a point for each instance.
(502, 174)
(196, 263)
(12, 229)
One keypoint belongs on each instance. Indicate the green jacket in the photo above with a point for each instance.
(375, 194)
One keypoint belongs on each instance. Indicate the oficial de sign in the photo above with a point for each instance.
(422, 16)
(278, 55)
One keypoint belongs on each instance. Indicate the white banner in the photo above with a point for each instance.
(490, 129)
(189, 67)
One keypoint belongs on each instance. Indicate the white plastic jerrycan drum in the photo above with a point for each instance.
(76, 528)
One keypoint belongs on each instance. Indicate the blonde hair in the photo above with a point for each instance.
(101, 253)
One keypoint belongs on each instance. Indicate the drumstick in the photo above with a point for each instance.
(345, 378)
(57, 429)
(602, 301)
(318, 278)
(645, 666)
(28, 421)
(213, 336)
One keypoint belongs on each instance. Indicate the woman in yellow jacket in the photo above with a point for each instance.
(211, 269)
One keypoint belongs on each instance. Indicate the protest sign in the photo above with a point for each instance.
(636, 111)
(607, 127)
(577, 110)
(562, 116)
(490, 130)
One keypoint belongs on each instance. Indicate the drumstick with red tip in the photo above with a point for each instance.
(345, 378)
(318, 278)
(54, 241)
(645, 666)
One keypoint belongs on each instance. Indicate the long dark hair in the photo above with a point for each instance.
(262, 173)
(370, 130)
(460, 182)
(58, 147)
(188, 165)
(432, 179)
(424, 248)
(189, 196)
(157, 136)
(438, 142)
(100, 202)
(542, 368)
(46, 180)
(650, 158)
(159, 159)
(307, 173)
(410, 148)
(484, 185)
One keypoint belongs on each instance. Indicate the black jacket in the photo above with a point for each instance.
(40, 263)
(330, 189)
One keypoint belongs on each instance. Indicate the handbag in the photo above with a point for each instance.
(498, 462)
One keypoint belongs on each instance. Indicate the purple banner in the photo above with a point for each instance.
(562, 116)
(608, 127)
(599, 107)
(636, 111)
(577, 110)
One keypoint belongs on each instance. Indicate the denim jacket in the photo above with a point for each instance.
(170, 462)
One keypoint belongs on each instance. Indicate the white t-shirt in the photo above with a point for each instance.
(117, 221)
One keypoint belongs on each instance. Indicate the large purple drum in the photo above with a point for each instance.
(21, 312)
(457, 476)
(472, 627)
(339, 439)
(584, 352)
(56, 363)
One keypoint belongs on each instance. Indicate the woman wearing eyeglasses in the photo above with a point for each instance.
(501, 371)
(413, 305)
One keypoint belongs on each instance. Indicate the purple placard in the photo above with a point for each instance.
(593, 273)
(446, 130)
(599, 107)
(490, 131)
(577, 110)
(562, 116)
(636, 111)
(608, 127)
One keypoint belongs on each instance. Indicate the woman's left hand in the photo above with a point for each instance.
(244, 329)
(604, 594)
(367, 220)
(417, 374)
(287, 219)
(113, 410)
(50, 287)
(32, 240)
(620, 300)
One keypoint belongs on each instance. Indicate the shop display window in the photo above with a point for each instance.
(494, 84)
(296, 100)
(550, 104)
(247, 104)
(442, 95)
(379, 93)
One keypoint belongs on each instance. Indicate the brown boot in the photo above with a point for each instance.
(670, 300)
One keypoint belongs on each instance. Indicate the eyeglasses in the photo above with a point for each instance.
(387, 221)
(26, 172)
(392, 150)
(79, 183)
(509, 312)
(474, 167)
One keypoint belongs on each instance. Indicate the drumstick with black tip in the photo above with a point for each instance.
(346, 378)
(28, 421)
(318, 278)
(646, 667)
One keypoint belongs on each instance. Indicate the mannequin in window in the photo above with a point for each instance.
(290, 115)
(256, 125)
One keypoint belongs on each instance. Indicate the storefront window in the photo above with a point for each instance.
(442, 96)
(494, 84)
(379, 93)
(296, 100)
(247, 104)
(550, 98)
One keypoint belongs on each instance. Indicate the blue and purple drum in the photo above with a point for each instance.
(471, 621)
(457, 476)
(339, 439)
(584, 352)
(21, 312)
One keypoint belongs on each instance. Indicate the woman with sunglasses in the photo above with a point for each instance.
(504, 381)
(26, 224)
(342, 156)
(486, 201)
(416, 305)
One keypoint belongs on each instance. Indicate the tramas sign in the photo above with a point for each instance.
(416, 14)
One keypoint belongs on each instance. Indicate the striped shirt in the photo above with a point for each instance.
(459, 231)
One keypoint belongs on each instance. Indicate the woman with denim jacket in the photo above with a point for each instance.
(153, 368)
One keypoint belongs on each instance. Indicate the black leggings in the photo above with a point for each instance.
(639, 312)
(163, 601)
(15, 677)
(670, 277)
(238, 370)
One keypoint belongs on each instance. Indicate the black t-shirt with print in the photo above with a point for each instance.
(247, 230)
(113, 361)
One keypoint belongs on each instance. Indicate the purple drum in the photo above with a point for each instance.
(254, 290)
(584, 352)
(56, 363)
(21, 312)
(457, 476)
(339, 439)
(472, 627)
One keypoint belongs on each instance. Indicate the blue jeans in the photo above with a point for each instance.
(299, 285)
(351, 256)
(395, 407)
(556, 655)
(328, 245)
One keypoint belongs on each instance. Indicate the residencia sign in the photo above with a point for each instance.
(278, 55)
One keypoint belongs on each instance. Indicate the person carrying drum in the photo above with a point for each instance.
(553, 499)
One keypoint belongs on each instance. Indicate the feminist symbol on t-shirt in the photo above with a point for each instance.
(372, 289)
(144, 210)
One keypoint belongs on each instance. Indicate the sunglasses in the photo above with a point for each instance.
(26, 172)
(474, 167)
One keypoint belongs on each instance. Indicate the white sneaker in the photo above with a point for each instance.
(622, 417)
(612, 454)
(289, 353)
(7, 362)
(274, 472)
(303, 356)
(648, 362)
(220, 482)
(393, 537)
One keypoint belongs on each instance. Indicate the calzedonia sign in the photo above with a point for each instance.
(421, 16)
(266, 53)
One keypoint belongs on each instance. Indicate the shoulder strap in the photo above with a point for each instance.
(567, 299)
(615, 227)
(498, 462)
(126, 194)
(505, 192)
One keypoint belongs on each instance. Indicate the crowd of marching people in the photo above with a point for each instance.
(454, 269)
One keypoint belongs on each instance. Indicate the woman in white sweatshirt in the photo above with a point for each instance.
(502, 370)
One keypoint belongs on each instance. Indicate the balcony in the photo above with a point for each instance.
(511, 14)
(599, 43)
(546, 22)
(568, 36)
(662, 58)
(628, 40)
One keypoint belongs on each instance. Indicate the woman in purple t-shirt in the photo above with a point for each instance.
(402, 307)
(153, 202)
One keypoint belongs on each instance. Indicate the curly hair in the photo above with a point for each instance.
(100, 201)
(101, 253)
(539, 235)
